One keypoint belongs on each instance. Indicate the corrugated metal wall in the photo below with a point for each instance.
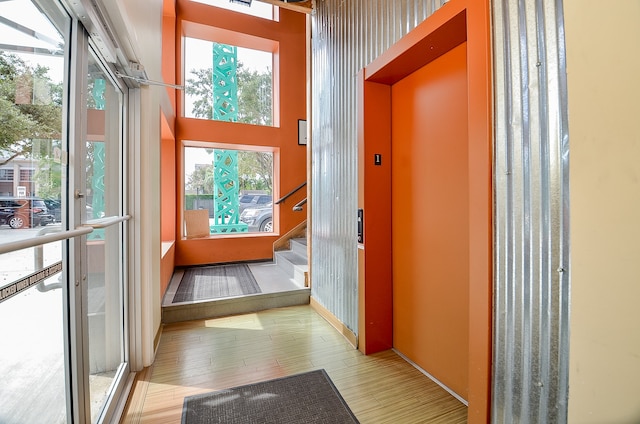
(346, 36)
(531, 184)
(531, 214)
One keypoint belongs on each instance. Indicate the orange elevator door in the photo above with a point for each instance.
(430, 218)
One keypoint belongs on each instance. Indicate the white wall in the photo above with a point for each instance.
(604, 126)
(139, 28)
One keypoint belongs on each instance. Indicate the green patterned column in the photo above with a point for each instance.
(226, 193)
(225, 83)
(98, 164)
(226, 203)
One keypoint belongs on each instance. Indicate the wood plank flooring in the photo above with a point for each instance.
(207, 355)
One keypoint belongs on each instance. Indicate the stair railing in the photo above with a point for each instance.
(298, 206)
(291, 193)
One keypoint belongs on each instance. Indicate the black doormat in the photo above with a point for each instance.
(308, 398)
(214, 282)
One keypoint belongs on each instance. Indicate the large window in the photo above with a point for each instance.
(234, 186)
(228, 83)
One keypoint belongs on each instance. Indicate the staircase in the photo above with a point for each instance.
(289, 269)
(293, 261)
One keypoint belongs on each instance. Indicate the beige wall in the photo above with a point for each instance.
(603, 67)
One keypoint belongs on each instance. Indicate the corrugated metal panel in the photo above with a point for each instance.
(531, 214)
(346, 36)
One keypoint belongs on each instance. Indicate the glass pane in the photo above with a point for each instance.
(257, 8)
(240, 89)
(235, 186)
(32, 360)
(104, 246)
(32, 353)
(31, 95)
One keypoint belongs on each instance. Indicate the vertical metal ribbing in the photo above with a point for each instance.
(531, 214)
(346, 36)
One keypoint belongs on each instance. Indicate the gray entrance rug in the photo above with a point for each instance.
(308, 398)
(214, 282)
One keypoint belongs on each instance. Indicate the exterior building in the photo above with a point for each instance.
(16, 178)
(511, 238)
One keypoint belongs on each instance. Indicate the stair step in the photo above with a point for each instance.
(301, 240)
(294, 265)
(233, 305)
(277, 290)
(293, 257)
(299, 246)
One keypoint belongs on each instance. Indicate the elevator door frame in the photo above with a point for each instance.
(456, 22)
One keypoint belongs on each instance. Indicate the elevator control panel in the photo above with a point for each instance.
(360, 225)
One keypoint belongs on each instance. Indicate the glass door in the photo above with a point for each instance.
(34, 363)
(104, 247)
(63, 355)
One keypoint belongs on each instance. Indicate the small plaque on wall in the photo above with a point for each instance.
(302, 132)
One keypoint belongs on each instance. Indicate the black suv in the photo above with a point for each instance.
(19, 212)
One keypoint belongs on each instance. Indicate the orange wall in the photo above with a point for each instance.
(167, 184)
(289, 34)
(375, 330)
(167, 149)
(430, 212)
(167, 208)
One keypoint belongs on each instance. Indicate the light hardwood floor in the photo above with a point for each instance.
(207, 355)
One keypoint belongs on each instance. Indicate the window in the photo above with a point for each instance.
(235, 186)
(257, 8)
(26, 175)
(228, 83)
(6, 174)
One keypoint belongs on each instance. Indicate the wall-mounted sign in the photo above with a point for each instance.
(302, 132)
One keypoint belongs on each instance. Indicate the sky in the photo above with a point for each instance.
(25, 13)
(195, 156)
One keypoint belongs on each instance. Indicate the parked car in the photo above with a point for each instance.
(5, 216)
(258, 218)
(254, 201)
(55, 208)
(19, 212)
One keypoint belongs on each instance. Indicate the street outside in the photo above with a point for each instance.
(17, 264)
(32, 353)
